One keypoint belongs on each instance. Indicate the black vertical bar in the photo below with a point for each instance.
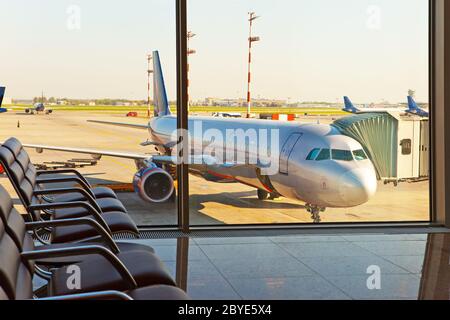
(182, 263)
(431, 98)
(441, 113)
(182, 113)
(445, 65)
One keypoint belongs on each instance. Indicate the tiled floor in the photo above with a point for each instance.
(313, 266)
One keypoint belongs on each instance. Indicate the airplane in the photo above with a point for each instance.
(227, 115)
(38, 107)
(2, 94)
(413, 108)
(315, 163)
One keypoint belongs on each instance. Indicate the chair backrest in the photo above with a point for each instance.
(22, 157)
(15, 276)
(14, 223)
(16, 175)
(21, 172)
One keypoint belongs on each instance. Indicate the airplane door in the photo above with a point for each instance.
(287, 150)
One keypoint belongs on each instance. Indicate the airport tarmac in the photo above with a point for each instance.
(210, 203)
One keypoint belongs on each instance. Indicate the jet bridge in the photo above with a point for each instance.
(397, 144)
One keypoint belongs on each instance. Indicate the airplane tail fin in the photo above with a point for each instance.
(413, 108)
(349, 106)
(412, 105)
(159, 88)
(2, 94)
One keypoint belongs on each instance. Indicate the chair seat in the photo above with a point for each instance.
(146, 268)
(59, 262)
(117, 222)
(106, 204)
(159, 292)
(99, 192)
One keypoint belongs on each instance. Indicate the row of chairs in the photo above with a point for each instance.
(68, 230)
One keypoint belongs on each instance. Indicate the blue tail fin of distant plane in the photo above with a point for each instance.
(412, 105)
(159, 88)
(2, 94)
(349, 107)
(413, 108)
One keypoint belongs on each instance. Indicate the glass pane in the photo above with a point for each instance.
(313, 154)
(342, 155)
(288, 65)
(360, 155)
(323, 155)
(89, 60)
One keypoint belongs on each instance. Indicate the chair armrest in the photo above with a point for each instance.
(105, 236)
(66, 205)
(70, 190)
(87, 250)
(66, 179)
(63, 171)
(99, 295)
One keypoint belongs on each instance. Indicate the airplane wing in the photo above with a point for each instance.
(198, 160)
(204, 160)
(97, 154)
(94, 153)
(121, 124)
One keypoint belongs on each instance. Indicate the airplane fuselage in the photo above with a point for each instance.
(315, 163)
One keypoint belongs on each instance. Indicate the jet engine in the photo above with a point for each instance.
(153, 184)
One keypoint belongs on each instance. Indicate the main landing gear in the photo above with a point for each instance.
(264, 195)
(315, 212)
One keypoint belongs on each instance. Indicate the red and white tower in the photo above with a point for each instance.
(251, 39)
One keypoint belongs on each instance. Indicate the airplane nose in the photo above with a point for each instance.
(357, 186)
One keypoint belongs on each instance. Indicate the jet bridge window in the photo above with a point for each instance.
(341, 155)
(313, 154)
(360, 155)
(323, 155)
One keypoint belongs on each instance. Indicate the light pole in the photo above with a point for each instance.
(190, 51)
(251, 39)
(149, 73)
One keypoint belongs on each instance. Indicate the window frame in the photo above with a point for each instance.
(439, 83)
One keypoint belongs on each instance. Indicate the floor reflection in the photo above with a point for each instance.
(435, 283)
(411, 266)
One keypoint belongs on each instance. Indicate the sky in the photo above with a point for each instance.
(310, 50)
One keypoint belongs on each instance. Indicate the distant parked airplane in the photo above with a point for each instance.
(227, 115)
(2, 94)
(413, 108)
(38, 107)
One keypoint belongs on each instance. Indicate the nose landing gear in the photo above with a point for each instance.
(264, 195)
(315, 212)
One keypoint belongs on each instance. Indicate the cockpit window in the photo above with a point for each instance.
(313, 154)
(360, 155)
(323, 155)
(341, 155)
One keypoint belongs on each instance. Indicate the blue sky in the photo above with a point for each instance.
(309, 49)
